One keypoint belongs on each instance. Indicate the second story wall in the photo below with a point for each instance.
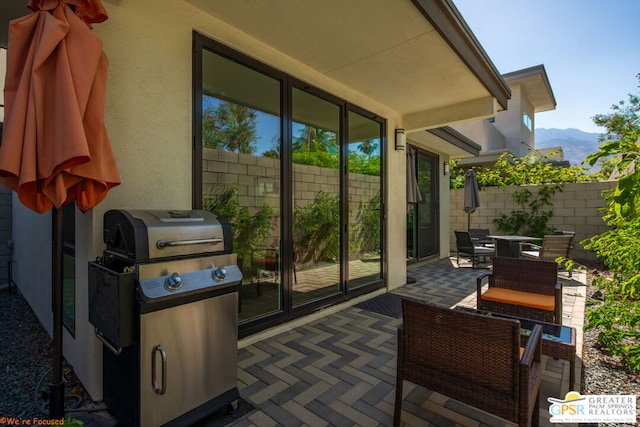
(511, 123)
(483, 132)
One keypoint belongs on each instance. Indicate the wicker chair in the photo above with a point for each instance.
(481, 236)
(466, 246)
(472, 358)
(522, 288)
(553, 246)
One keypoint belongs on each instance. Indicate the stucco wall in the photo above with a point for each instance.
(576, 208)
(518, 138)
(5, 233)
(148, 115)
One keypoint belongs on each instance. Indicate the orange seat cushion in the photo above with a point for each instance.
(526, 299)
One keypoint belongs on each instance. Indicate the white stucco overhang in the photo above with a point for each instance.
(535, 86)
(418, 58)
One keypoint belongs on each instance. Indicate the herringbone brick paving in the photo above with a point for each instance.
(340, 370)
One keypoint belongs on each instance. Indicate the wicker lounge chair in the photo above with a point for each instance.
(472, 358)
(522, 288)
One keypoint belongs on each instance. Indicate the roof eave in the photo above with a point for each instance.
(450, 24)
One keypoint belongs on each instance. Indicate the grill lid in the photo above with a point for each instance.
(141, 235)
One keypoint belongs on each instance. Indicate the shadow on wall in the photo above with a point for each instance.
(5, 230)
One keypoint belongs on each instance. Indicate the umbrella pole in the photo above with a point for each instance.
(56, 388)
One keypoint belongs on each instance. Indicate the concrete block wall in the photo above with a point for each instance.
(576, 208)
(258, 181)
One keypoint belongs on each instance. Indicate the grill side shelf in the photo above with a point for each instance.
(112, 304)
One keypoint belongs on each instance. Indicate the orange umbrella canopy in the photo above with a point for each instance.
(55, 148)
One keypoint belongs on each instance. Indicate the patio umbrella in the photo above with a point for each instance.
(413, 191)
(471, 195)
(55, 148)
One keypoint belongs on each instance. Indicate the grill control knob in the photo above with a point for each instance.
(173, 282)
(219, 274)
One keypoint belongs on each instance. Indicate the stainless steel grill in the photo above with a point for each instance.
(164, 301)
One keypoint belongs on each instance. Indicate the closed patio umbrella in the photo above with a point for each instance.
(471, 195)
(55, 148)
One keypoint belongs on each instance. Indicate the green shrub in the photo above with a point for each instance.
(251, 231)
(617, 315)
(531, 219)
(316, 229)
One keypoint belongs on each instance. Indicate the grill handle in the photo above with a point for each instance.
(161, 244)
(115, 350)
(163, 355)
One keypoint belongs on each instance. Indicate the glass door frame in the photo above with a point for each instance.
(433, 204)
(288, 311)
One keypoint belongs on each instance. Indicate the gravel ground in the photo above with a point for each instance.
(604, 374)
(26, 359)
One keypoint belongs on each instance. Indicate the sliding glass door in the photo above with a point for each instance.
(364, 240)
(316, 196)
(297, 173)
(240, 128)
(422, 217)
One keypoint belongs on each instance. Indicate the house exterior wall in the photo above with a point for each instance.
(484, 133)
(576, 208)
(518, 138)
(32, 234)
(5, 194)
(6, 239)
(148, 115)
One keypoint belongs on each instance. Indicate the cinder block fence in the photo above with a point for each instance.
(577, 208)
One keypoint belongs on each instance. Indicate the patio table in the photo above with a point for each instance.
(558, 341)
(509, 246)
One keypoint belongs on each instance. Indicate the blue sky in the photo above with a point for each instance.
(590, 50)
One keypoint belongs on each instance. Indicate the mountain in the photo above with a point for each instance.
(576, 144)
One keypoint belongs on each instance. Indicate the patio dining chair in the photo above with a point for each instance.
(481, 236)
(466, 246)
(553, 246)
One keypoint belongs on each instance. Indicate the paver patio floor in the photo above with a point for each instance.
(340, 369)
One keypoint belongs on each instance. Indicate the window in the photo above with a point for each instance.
(527, 121)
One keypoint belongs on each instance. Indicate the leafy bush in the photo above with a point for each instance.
(321, 159)
(316, 229)
(531, 219)
(364, 164)
(617, 316)
(510, 170)
(368, 233)
(251, 232)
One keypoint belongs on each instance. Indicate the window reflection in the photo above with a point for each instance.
(241, 173)
(298, 180)
(365, 220)
(316, 201)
